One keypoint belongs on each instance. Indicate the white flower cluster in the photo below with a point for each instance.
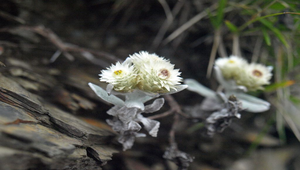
(253, 76)
(147, 72)
(140, 78)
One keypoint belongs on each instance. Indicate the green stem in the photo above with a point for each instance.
(266, 16)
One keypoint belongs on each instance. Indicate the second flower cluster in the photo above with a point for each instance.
(253, 76)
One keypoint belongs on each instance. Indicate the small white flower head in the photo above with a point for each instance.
(231, 66)
(144, 58)
(156, 74)
(254, 77)
(122, 76)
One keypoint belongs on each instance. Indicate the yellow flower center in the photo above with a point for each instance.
(118, 72)
(231, 61)
(257, 73)
(164, 72)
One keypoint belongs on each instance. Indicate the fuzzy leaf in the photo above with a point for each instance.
(137, 98)
(194, 86)
(127, 114)
(134, 126)
(178, 89)
(253, 104)
(155, 106)
(151, 126)
(104, 96)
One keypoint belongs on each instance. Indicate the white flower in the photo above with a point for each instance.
(254, 76)
(231, 66)
(156, 74)
(122, 76)
(143, 58)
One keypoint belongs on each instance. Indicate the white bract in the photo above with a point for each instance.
(155, 74)
(143, 58)
(147, 72)
(121, 76)
(254, 76)
(231, 66)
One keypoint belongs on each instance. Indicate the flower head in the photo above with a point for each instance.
(144, 58)
(121, 75)
(231, 66)
(156, 74)
(254, 76)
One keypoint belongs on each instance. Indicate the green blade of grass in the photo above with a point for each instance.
(220, 14)
(266, 16)
(275, 31)
(231, 27)
(279, 85)
(217, 21)
(266, 37)
(280, 127)
(295, 100)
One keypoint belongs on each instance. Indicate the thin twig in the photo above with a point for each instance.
(236, 45)
(255, 16)
(167, 10)
(213, 52)
(158, 116)
(173, 130)
(289, 51)
(221, 50)
(187, 25)
(65, 48)
(257, 49)
(182, 19)
(167, 23)
(12, 18)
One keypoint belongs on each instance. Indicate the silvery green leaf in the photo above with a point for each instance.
(155, 106)
(116, 124)
(194, 86)
(104, 96)
(137, 98)
(151, 126)
(221, 119)
(114, 111)
(127, 138)
(220, 78)
(181, 159)
(210, 104)
(135, 104)
(134, 126)
(253, 104)
(127, 114)
(229, 85)
(153, 130)
(177, 89)
(109, 88)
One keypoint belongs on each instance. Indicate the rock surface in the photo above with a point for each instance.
(37, 134)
